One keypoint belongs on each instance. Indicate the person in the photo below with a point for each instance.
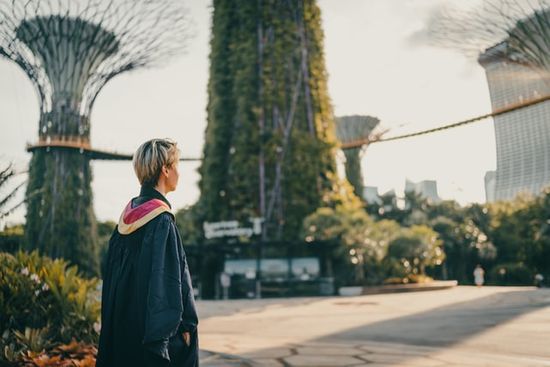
(479, 275)
(539, 278)
(148, 313)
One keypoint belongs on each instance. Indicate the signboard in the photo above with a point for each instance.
(231, 229)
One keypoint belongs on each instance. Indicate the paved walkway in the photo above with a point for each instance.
(213, 359)
(464, 326)
(372, 354)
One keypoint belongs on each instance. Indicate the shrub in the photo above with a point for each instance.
(415, 248)
(11, 238)
(511, 274)
(44, 303)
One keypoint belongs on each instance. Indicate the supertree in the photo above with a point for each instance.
(70, 49)
(524, 25)
(270, 142)
(350, 129)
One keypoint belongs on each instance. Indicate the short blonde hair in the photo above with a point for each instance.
(151, 156)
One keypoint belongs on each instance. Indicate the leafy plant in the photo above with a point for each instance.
(415, 248)
(44, 303)
(511, 274)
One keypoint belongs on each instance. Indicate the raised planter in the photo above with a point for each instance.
(398, 288)
(350, 291)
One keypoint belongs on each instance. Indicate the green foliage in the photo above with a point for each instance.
(44, 302)
(511, 274)
(353, 170)
(34, 340)
(270, 141)
(324, 224)
(415, 248)
(379, 236)
(60, 221)
(189, 226)
(104, 233)
(408, 278)
(465, 245)
(363, 243)
(387, 208)
(11, 238)
(513, 234)
(520, 230)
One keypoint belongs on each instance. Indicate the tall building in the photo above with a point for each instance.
(522, 136)
(490, 184)
(426, 188)
(371, 196)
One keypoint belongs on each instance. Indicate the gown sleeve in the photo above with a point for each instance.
(105, 337)
(164, 301)
(190, 319)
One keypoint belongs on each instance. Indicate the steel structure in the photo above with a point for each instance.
(70, 49)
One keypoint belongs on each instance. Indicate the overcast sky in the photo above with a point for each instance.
(374, 69)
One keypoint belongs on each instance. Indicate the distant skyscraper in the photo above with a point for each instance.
(426, 188)
(522, 136)
(490, 183)
(371, 196)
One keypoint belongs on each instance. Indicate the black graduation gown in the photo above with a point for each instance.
(147, 297)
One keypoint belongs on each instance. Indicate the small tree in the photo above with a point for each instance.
(521, 233)
(464, 244)
(416, 248)
(363, 243)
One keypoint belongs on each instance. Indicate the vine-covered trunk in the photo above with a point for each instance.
(60, 220)
(353, 170)
(270, 140)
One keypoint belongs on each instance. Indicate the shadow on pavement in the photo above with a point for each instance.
(435, 328)
(446, 325)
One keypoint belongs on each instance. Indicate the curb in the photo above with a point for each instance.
(397, 288)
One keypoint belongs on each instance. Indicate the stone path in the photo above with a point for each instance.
(213, 359)
(376, 354)
(462, 327)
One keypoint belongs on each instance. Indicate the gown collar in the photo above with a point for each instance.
(150, 192)
(141, 210)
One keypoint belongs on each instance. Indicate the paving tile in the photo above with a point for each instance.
(344, 351)
(268, 362)
(320, 361)
(402, 360)
(269, 353)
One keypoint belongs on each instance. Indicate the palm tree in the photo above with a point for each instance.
(6, 176)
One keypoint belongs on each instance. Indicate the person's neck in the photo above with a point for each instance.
(148, 192)
(162, 189)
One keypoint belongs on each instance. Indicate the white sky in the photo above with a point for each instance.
(373, 70)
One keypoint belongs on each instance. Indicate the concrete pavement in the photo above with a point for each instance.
(465, 326)
(214, 359)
